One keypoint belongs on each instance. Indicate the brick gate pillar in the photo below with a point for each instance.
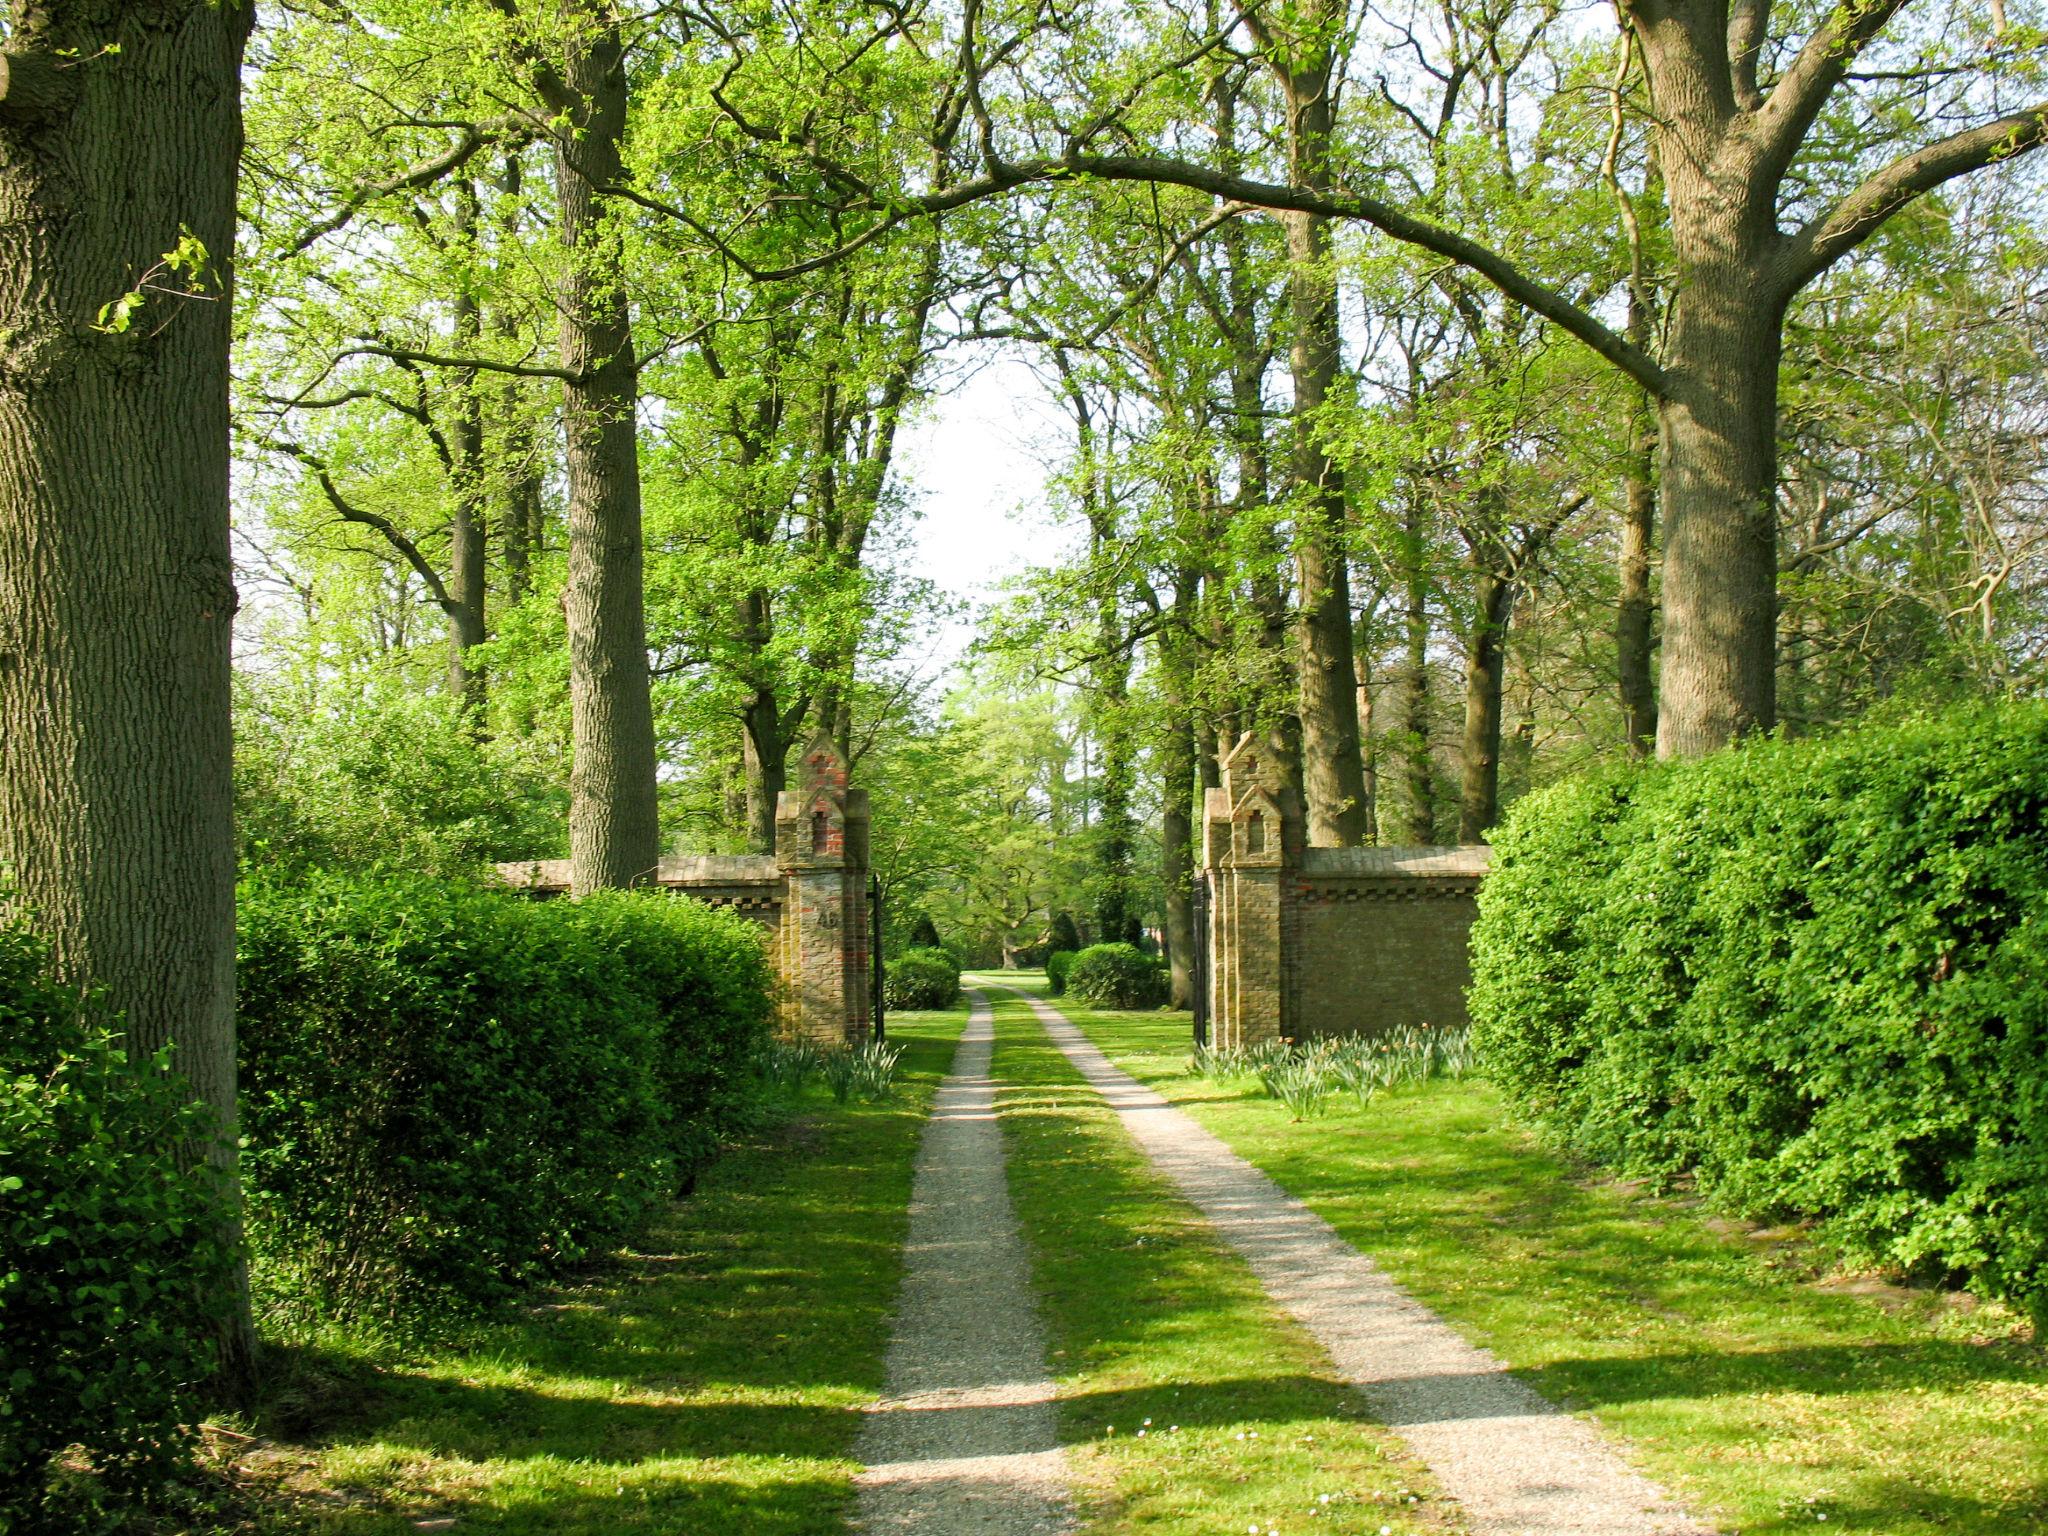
(821, 847)
(1252, 840)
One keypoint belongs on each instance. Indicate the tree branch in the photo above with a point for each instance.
(1832, 235)
(350, 513)
(474, 137)
(482, 364)
(1795, 101)
(1409, 230)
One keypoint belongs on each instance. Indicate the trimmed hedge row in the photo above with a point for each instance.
(1814, 974)
(112, 1271)
(922, 978)
(449, 1091)
(1117, 976)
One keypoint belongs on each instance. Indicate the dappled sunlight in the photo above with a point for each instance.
(713, 1378)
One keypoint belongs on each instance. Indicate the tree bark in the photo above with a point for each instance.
(1719, 427)
(1485, 678)
(519, 533)
(466, 681)
(1413, 814)
(1332, 769)
(116, 585)
(614, 825)
(1634, 610)
(767, 763)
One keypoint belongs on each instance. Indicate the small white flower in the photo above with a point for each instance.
(1324, 1499)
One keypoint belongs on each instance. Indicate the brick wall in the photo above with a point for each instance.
(1306, 942)
(810, 897)
(1383, 937)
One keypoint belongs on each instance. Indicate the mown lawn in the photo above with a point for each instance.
(1188, 1402)
(1773, 1400)
(711, 1380)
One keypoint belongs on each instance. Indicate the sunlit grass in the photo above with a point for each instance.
(709, 1380)
(1188, 1402)
(1765, 1396)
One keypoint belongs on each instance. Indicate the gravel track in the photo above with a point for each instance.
(1515, 1464)
(965, 1441)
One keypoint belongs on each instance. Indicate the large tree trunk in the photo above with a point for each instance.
(116, 586)
(1411, 817)
(614, 828)
(1634, 611)
(1332, 769)
(466, 525)
(766, 751)
(1485, 677)
(1719, 487)
(1177, 836)
(519, 533)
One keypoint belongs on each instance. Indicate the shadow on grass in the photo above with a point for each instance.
(706, 1383)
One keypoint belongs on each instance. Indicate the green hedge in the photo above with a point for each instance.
(113, 1276)
(448, 1091)
(1058, 965)
(1117, 976)
(1810, 973)
(708, 977)
(922, 978)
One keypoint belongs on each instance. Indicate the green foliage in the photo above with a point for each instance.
(707, 975)
(1064, 935)
(448, 1090)
(382, 777)
(1057, 966)
(113, 1271)
(1810, 973)
(922, 978)
(1117, 976)
(1303, 1076)
(924, 934)
(867, 1070)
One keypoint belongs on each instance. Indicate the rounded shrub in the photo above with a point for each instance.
(1117, 976)
(1809, 973)
(1058, 965)
(114, 1271)
(922, 978)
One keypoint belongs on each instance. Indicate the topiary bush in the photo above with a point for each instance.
(1117, 976)
(114, 1275)
(1057, 966)
(1810, 974)
(922, 978)
(449, 1091)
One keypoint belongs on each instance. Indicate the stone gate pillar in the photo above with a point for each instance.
(1252, 839)
(822, 948)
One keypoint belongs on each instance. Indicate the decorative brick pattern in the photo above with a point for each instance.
(1307, 942)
